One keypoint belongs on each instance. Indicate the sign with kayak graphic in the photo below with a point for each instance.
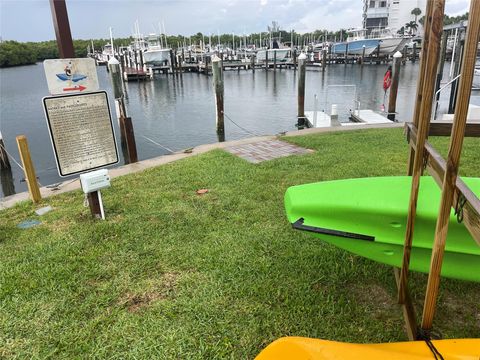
(67, 76)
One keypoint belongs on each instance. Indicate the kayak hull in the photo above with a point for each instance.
(378, 208)
(299, 348)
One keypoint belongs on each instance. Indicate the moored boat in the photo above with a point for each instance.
(155, 55)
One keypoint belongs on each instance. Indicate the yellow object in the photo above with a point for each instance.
(298, 348)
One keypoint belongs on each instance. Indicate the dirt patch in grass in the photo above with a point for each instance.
(163, 289)
(377, 299)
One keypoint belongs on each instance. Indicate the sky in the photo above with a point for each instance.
(31, 20)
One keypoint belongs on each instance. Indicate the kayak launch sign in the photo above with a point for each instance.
(67, 76)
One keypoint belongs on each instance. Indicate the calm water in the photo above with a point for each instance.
(178, 111)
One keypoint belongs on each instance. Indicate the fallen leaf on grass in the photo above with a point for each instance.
(202, 191)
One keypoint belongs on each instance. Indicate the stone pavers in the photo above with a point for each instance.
(266, 150)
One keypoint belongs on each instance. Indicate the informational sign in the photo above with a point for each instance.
(67, 76)
(81, 131)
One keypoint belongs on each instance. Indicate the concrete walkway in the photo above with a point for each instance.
(70, 185)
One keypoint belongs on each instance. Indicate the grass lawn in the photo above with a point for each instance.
(171, 274)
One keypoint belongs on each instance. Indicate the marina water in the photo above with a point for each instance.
(174, 112)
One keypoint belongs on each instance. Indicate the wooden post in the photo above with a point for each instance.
(275, 59)
(252, 62)
(450, 177)
(346, 53)
(301, 86)
(404, 56)
(266, 59)
(435, 31)
(94, 202)
(392, 99)
(421, 77)
(324, 59)
(126, 127)
(62, 28)
(363, 54)
(414, 50)
(172, 63)
(218, 88)
(28, 169)
(115, 77)
(4, 161)
(294, 59)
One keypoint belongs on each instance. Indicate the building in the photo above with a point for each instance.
(390, 13)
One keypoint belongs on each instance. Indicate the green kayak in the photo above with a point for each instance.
(367, 217)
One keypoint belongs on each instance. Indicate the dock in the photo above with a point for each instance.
(368, 117)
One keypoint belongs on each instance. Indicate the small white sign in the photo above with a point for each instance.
(68, 76)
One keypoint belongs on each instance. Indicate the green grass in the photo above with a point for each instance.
(171, 274)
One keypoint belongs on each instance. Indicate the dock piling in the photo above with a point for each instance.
(324, 59)
(392, 99)
(301, 87)
(218, 88)
(4, 161)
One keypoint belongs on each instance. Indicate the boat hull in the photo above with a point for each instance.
(282, 55)
(315, 349)
(378, 207)
(156, 57)
(356, 47)
(389, 46)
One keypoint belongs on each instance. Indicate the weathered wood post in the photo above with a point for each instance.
(363, 55)
(275, 59)
(324, 59)
(453, 160)
(392, 99)
(404, 56)
(252, 62)
(127, 135)
(266, 59)
(218, 88)
(172, 62)
(28, 168)
(4, 161)
(301, 88)
(346, 53)
(414, 52)
(294, 59)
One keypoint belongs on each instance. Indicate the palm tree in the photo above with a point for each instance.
(416, 12)
(412, 26)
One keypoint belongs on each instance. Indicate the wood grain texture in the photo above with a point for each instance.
(428, 91)
(28, 169)
(453, 159)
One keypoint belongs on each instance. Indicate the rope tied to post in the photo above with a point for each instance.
(426, 336)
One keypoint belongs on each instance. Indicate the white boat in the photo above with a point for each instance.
(281, 54)
(389, 43)
(105, 55)
(155, 55)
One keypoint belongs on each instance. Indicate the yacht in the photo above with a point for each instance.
(155, 54)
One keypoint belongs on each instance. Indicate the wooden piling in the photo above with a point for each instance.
(294, 59)
(324, 59)
(301, 86)
(392, 99)
(28, 169)
(252, 62)
(363, 55)
(414, 51)
(404, 55)
(218, 88)
(172, 62)
(275, 59)
(126, 127)
(346, 53)
(115, 77)
(266, 59)
(424, 103)
(451, 171)
(4, 161)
